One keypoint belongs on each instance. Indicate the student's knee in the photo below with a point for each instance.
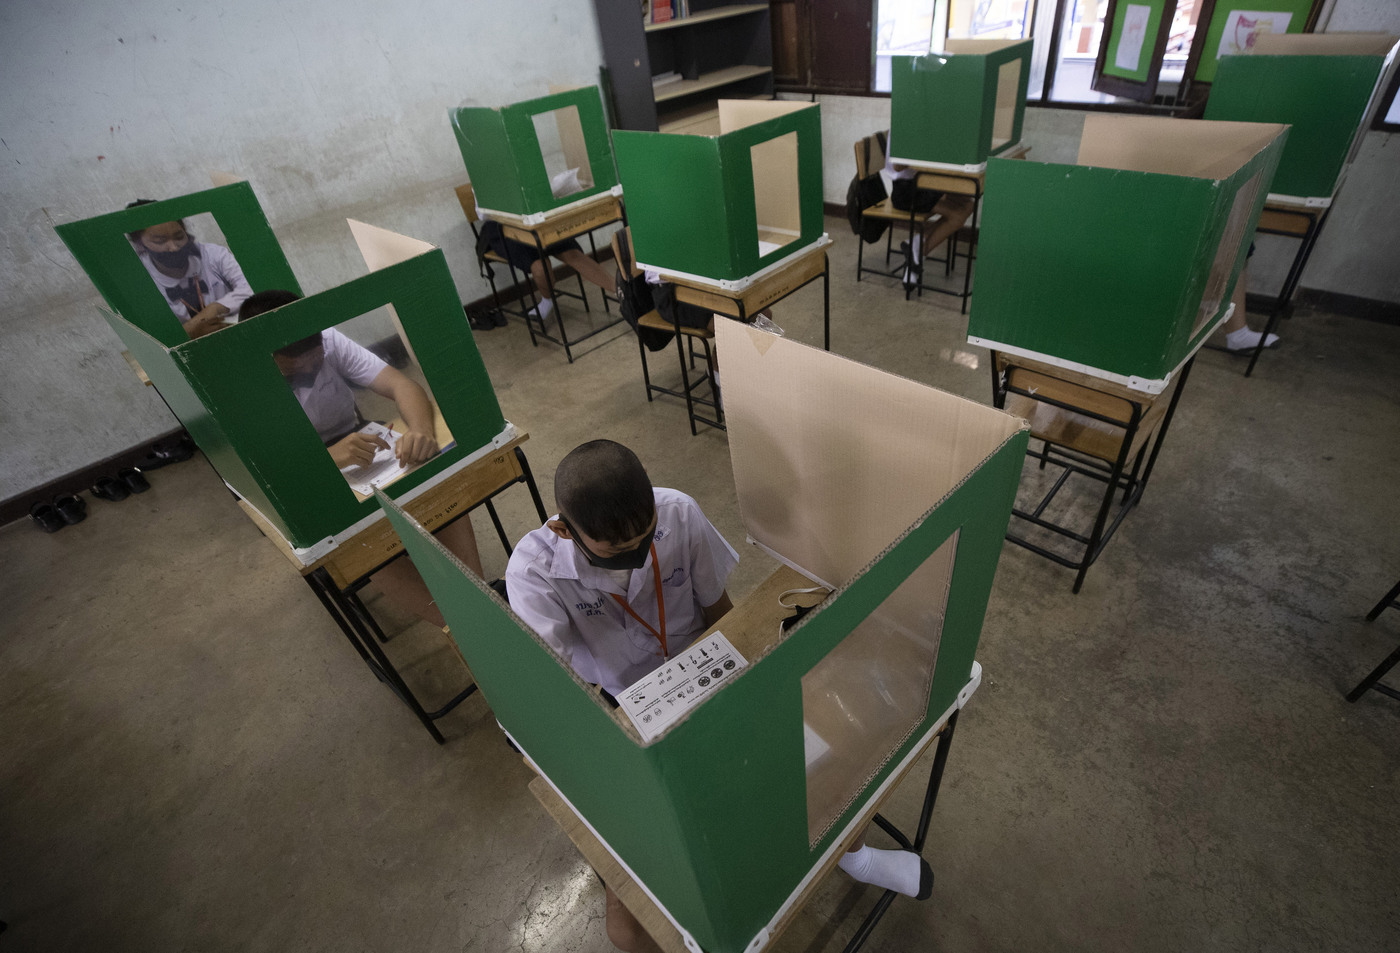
(624, 932)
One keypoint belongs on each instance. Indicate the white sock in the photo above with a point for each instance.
(542, 309)
(1246, 340)
(900, 870)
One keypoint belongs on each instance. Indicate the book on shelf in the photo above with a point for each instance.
(661, 11)
(665, 79)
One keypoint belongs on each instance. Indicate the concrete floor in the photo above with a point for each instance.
(193, 757)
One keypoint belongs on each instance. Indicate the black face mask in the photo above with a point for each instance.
(179, 258)
(631, 559)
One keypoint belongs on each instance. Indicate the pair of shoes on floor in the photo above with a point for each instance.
(64, 511)
(487, 320)
(913, 270)
(174, 450)
(127, 481)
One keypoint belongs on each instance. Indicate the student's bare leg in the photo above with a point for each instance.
(1238, 336)
(591, 271)
(404, 588)
(623, 929)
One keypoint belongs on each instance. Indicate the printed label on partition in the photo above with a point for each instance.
(657, 701)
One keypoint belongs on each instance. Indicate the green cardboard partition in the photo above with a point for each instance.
(721, 208)
(102, 249)
(1121, 265)
(507, 160)
(960, 107)
(688, 812)
(1322, 86)
(228, 393)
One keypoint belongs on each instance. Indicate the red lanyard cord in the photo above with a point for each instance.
(660, 607)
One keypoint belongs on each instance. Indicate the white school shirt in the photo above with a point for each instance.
(220, 280)
(328, 400)
(568, 601)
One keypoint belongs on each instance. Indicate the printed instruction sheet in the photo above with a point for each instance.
(382, 470)
(657, 701)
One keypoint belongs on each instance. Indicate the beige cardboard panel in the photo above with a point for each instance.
(575, 148)
(738, 113)
(833, 459)
(225, 178)
(776, 197)
(977, 46)
(1324, 44)
(382, 248)
(1192, 147)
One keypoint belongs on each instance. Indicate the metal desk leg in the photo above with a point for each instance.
(1290, 285)
(352, 625)
(935, 780)
(826, 303)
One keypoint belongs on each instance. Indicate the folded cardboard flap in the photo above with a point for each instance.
(825, 496)
(738, 113)
(1187, 147)
(1323, 44)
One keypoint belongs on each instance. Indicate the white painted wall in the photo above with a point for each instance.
(331, 108)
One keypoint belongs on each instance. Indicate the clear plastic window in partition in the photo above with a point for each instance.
(776, 196)
(565, 153)
(189, 261)
(362, 390)
(864, 700)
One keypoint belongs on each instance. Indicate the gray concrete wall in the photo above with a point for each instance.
(330, 109)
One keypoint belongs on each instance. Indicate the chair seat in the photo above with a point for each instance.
(654, 320)
(885, 210)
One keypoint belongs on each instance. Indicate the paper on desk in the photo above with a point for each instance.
(382, 470)
(657, 701)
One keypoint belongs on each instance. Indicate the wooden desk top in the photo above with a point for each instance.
(576, 221)
(361, 554)
(794, 273)
(965, 183)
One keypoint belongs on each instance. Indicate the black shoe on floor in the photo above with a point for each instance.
(107, 488)
(71, 508)
(134, 480)
(47, 517)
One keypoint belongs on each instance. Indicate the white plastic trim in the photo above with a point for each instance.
(737, 284)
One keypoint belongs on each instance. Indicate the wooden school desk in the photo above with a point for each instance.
(962, 182)
(338, 576)
(751, 626)
(582, 219)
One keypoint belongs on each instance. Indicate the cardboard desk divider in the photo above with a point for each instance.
(1324, 86)
(104, 252)
(1122, 265)
(955, 110)
(228, 393)
(509, 165)
(893, 493)
(728, 208)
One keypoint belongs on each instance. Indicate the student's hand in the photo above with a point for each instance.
(414, 447)
(206, 321)
(358, 449)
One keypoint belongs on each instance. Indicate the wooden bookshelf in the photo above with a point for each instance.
(714, 80)
(705, 16)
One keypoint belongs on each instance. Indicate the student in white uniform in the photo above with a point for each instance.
(622, 578)
(202, 282)
(322, 370)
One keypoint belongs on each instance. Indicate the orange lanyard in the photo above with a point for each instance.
(660, 606)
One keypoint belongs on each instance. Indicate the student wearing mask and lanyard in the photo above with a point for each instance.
(201, 281)
(625, 576)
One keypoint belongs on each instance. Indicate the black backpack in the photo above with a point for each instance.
(635, 298)
(863, 193)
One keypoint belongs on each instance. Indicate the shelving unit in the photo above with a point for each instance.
(721, 51)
